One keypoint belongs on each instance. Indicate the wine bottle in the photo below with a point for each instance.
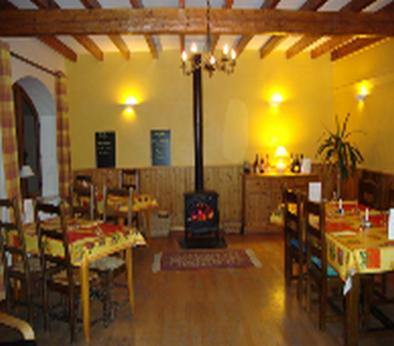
(292, 163)
(267, 165)
(256, 165)
(297, 164)
(261, 166)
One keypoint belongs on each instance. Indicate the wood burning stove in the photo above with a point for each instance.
(201, 207)
(201, 213)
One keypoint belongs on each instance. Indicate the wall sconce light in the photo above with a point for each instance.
(281, 155)
(363, 90)
(276, 99)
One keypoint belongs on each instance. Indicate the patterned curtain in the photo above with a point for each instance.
(63, 137)
(8, 126)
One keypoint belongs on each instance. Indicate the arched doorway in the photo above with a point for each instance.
(28, 134)
(39, 138)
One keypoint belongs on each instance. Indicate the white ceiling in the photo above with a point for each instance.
(171, 42)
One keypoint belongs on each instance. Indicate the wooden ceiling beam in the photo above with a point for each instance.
(353, 6)
(137, 4)
(244, 40)
(336, 42)
(354, 46)
(182, 39)
(117, 40)
(59, 47)
(215, 38)
(50, 41)
(83, 40)
(274, 41)
(191, 21)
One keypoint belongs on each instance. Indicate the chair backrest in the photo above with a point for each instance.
(130, 178)
(11, 233)
(82, 180)
(315, 241)
(391, 197)
(118, 203)
(292, 215)
(55, 231)
(84, 202)
(368, 193)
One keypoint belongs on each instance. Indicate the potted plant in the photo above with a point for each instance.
(337, 149)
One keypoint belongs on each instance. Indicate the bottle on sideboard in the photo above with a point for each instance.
(267, 165)
(256, 165)
(297, 165)
(261, 165)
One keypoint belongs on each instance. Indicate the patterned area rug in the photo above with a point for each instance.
(204, 259)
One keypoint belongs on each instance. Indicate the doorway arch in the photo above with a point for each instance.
(45, 106)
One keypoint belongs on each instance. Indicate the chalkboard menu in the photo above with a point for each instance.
(105, 149)
(160, 147)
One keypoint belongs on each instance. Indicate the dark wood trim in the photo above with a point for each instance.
(20, 98)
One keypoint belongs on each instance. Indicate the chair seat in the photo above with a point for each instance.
(107, 263)
(34, 263)
(331, 272)
(61, 277)
(296, 245)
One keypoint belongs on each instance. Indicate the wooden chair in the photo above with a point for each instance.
(368, 193)
(294, 249)
(113, 213)
(130, 178)
(84, 202)
(318, 273)
(19, 266)
(83, 180)
(58, 272)
(23, 327)
(109, 267)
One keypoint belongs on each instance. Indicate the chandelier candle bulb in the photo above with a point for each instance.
(193, 48)
(184, 56)
(233, 54)
(226, 49)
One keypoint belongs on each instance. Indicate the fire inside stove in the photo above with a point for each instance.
(202, 212)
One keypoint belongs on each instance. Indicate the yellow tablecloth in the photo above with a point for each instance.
(354, 249)
(350, 248)
(86, 238)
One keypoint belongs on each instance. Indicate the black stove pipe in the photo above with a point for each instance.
(198, 125)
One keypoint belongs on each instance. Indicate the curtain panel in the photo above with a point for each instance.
(8, 125)
(63, 137)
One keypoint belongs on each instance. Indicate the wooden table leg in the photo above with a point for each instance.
(148, 215)
(130, 284)
(352, 313)
(85, 299)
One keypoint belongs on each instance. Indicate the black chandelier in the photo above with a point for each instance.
(208, 61)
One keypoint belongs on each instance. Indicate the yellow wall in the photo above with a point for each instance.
(238, 119)
(374, 116)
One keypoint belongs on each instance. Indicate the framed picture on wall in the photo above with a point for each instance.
(160, 147)
(105, 149)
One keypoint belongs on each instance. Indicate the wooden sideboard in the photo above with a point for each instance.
(261, 195)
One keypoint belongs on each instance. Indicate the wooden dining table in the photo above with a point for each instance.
(88, 242)
(144, 204)
(355, 249)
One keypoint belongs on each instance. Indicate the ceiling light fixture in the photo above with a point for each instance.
(208, 61)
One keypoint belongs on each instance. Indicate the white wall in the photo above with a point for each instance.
(40, 86)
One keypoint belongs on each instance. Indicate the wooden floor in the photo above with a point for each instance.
(211, 307)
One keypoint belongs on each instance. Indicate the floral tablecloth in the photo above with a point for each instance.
(350, 247)
(140, 202)
(86, 238)
(354, 249)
